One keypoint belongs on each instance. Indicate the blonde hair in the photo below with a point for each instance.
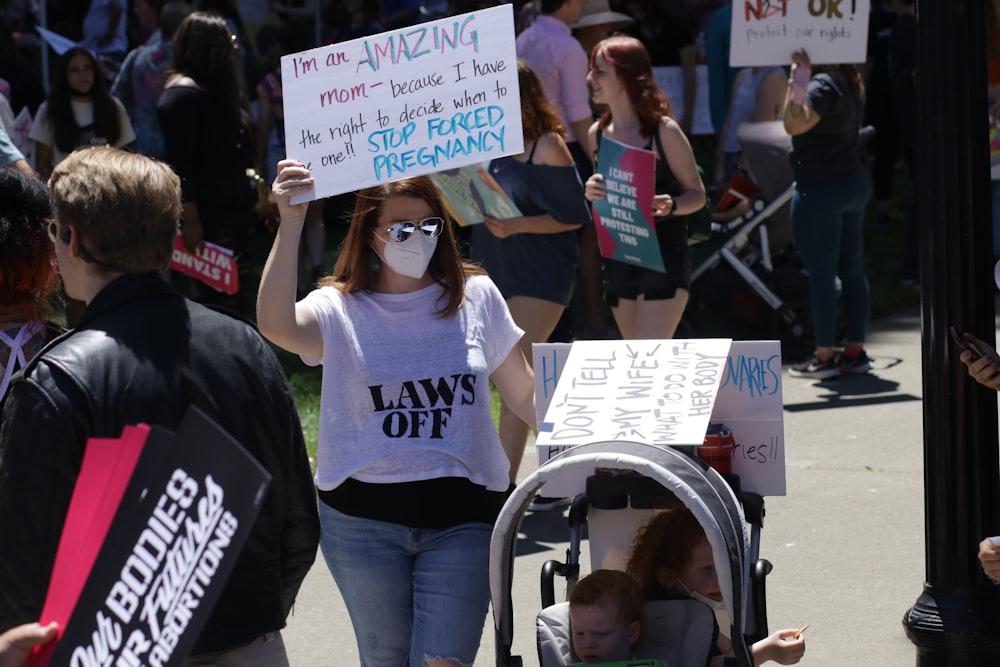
(125, 207)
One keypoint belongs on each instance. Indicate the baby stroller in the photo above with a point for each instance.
(632, 480)
(745, 273)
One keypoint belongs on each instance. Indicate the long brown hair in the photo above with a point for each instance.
(205, 50)
(538, 115)
(353, 271)
(59, 110)
(631, 64)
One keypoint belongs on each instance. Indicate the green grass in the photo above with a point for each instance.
(883, 253)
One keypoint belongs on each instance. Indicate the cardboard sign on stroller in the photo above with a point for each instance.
(664, 393)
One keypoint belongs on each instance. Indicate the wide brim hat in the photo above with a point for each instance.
(598, 12)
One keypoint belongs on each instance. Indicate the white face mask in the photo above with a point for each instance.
(411, 257)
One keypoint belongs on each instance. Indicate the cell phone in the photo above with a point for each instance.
(965, 342)
(800, 81)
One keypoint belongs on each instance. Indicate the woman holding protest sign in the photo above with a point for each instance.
(822, 113)
(410, 470)
(533, 258)
(207, 137)
(646, 303)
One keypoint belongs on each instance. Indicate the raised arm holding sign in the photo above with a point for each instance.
(414, 101)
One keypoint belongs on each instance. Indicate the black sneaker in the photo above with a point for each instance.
(814, 368)
(858, 365)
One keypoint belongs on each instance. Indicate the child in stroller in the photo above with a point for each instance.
(671, 558)
(681, 632)
(604, 610)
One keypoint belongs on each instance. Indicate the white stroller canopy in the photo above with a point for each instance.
(701, 489)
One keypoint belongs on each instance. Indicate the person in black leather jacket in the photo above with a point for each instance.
(143, 353)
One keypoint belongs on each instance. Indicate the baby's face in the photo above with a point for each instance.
(700, 576)
(599, 635)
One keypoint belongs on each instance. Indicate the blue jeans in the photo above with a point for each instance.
(412, 593)
(828, 222)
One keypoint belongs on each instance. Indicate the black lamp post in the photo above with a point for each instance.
(956, 619)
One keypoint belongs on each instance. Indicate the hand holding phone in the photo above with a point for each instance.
(966, 342)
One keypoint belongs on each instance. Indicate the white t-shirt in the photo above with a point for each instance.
(44, 132)
(406, 394)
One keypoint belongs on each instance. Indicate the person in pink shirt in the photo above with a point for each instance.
(549, 48)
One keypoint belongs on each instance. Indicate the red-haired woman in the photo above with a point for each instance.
(27, 272)
(645, 303)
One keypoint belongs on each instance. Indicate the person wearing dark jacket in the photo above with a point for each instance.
(144, 353)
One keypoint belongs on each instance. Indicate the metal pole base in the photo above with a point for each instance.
(955, 627)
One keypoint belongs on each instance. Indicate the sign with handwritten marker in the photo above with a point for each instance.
(547, 360)
(623, 220)
(765, 32)
(664, 392)
(407, 102)
(750, 405)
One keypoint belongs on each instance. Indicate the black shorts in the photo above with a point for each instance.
(627, 281)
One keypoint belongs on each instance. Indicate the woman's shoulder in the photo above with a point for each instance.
(551, 150)
(479, 286)
(180, 81)
(669, 129)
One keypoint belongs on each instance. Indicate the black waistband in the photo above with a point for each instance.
(432, 503)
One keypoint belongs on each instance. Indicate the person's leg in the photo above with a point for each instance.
(658, 319)
(538, 318)
(851, 267)
(373, 567)
(626, 312)
(451, 594)
(816, 227)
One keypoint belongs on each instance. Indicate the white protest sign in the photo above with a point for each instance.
(658, 392)
(433, 96)
(547, 359)
(621, 389)
(750, 404)
(671, 81)
(765, 32)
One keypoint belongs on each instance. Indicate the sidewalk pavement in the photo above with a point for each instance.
(847, 542)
